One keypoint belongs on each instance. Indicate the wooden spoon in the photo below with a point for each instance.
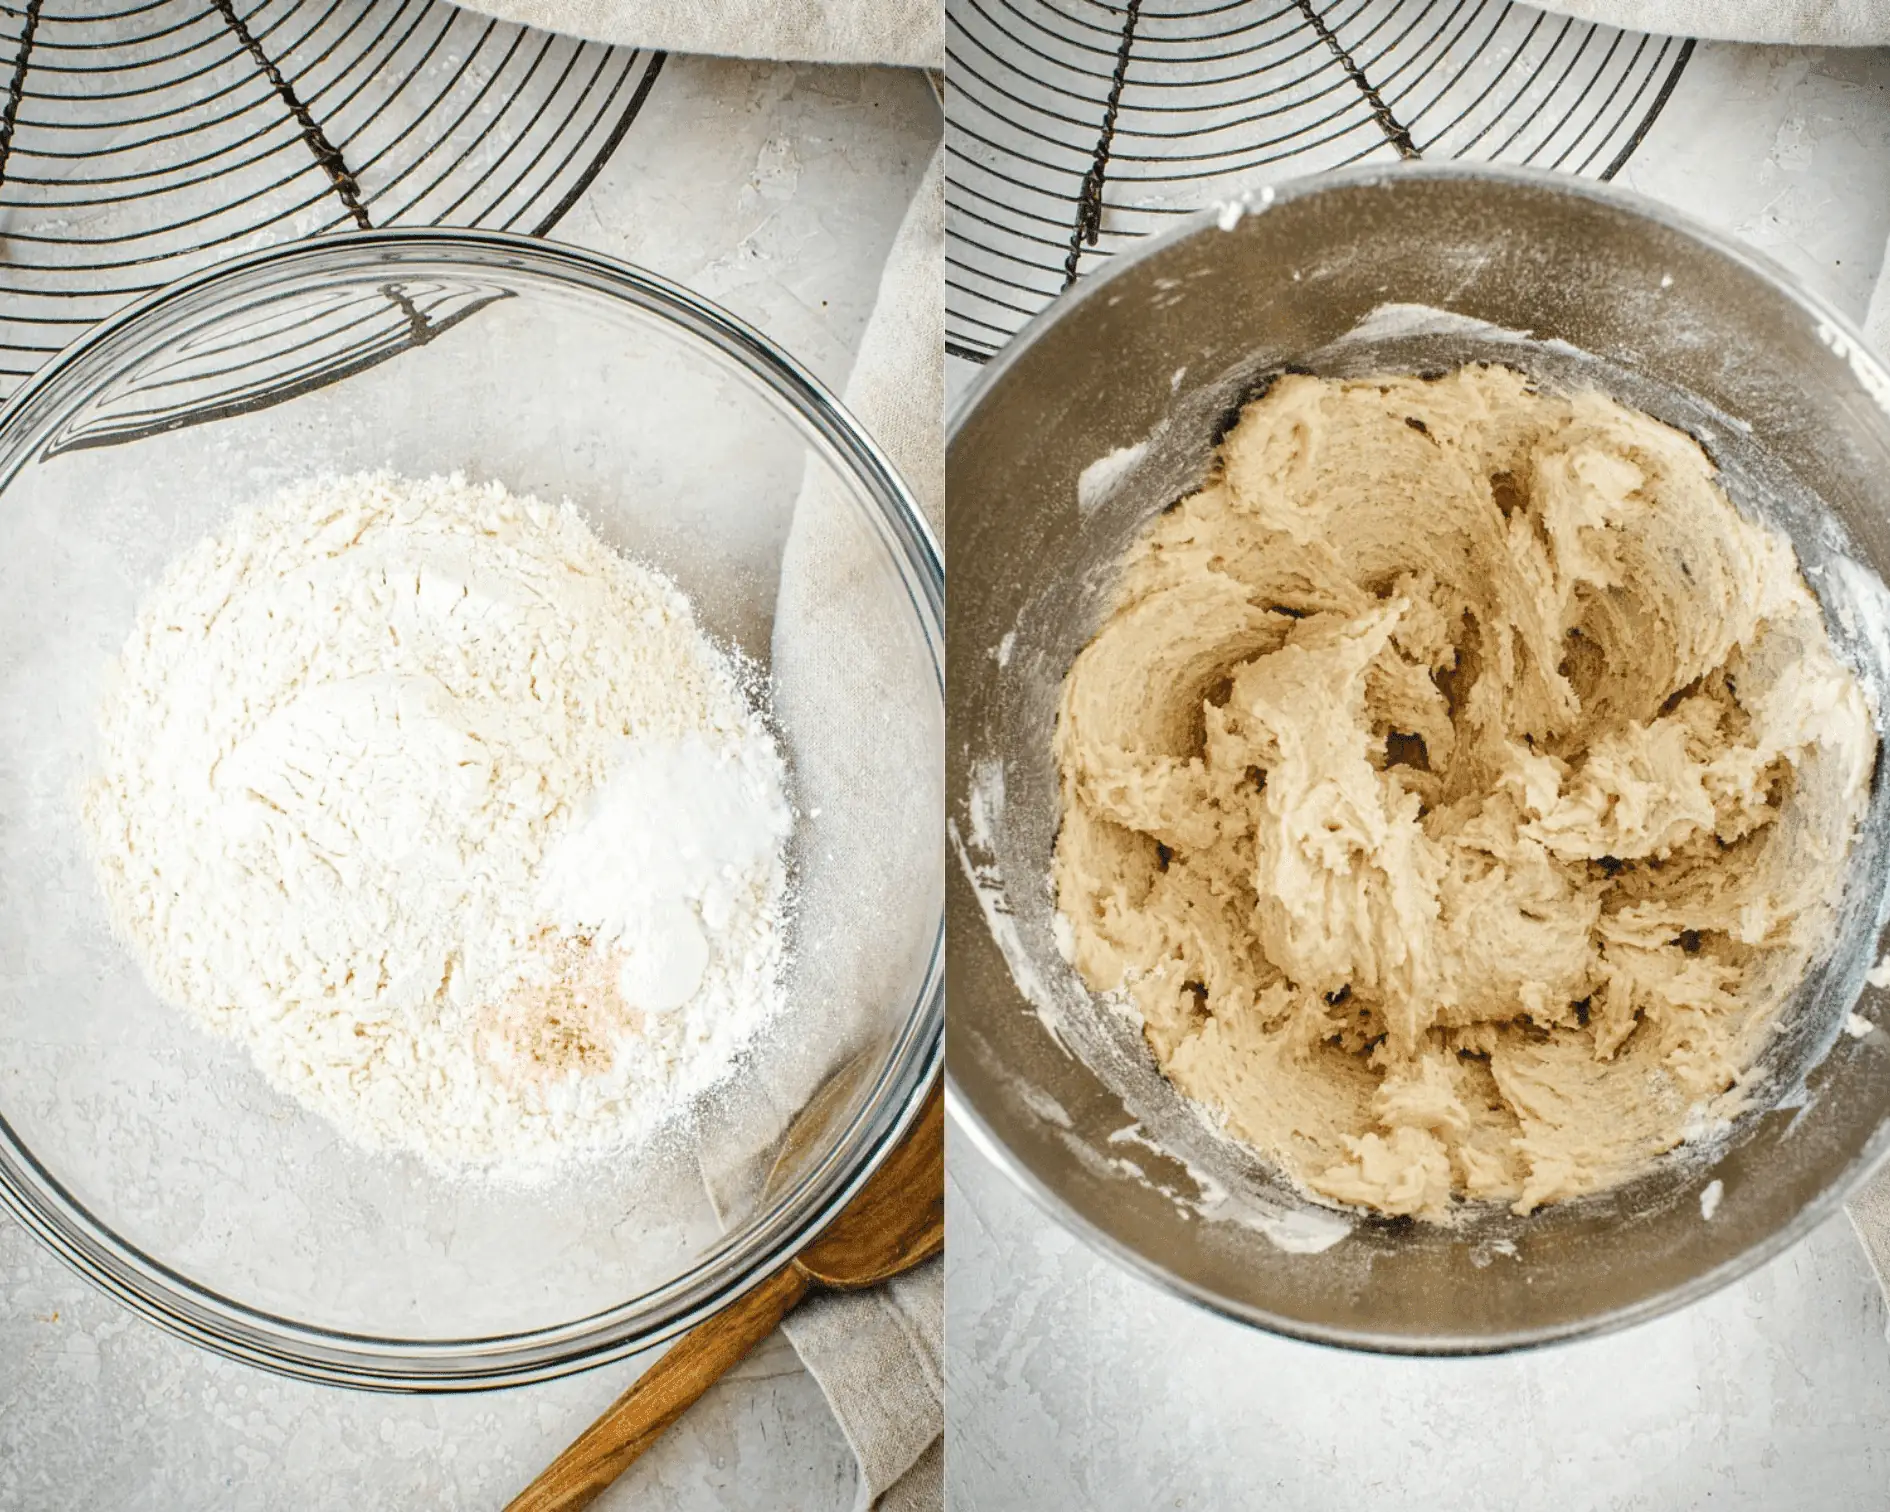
(893, 1222)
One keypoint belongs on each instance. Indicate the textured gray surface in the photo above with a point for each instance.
(98, 1410)
(776, 191)
(1074, 1385)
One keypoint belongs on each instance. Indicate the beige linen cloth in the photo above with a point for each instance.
(877, 1355)
(1808, 23)
(906, 32)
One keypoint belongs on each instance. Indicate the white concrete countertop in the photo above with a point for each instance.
(1072, 1384)
(776, 191)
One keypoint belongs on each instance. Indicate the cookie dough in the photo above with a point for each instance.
(1458, 788)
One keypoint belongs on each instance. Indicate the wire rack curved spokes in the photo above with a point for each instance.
(1077, 126)
(143, 139)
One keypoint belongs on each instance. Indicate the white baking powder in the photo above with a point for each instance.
(451, 814)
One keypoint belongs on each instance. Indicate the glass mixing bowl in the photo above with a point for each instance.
(153, 1157)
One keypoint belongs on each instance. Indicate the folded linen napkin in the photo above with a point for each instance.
(1808, 23)
(877, 1355)
(906, 32)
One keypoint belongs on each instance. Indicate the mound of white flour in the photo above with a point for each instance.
(451, 814)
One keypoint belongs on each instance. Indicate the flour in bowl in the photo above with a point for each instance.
(451, 814)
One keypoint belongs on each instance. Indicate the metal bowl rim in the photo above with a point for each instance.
(963, 1109)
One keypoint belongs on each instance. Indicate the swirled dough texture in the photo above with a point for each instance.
(1459, 786)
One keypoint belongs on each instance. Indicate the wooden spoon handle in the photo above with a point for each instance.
(661, 1395)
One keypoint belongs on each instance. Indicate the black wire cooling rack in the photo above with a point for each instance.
(142, 139)
(1077, 126)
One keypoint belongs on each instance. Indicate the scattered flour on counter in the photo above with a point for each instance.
(448, 812)
(1710, 1196)
(1879, 975)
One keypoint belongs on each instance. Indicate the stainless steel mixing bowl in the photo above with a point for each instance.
(1142, 365)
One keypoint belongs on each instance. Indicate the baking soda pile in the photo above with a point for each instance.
(449, 813)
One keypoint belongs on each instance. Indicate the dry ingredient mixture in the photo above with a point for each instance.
(451, 814)
(1457, 789)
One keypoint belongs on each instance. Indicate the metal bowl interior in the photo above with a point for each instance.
(156, 1159)
(1411, 270)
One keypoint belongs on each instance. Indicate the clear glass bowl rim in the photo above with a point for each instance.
(254, 1336)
